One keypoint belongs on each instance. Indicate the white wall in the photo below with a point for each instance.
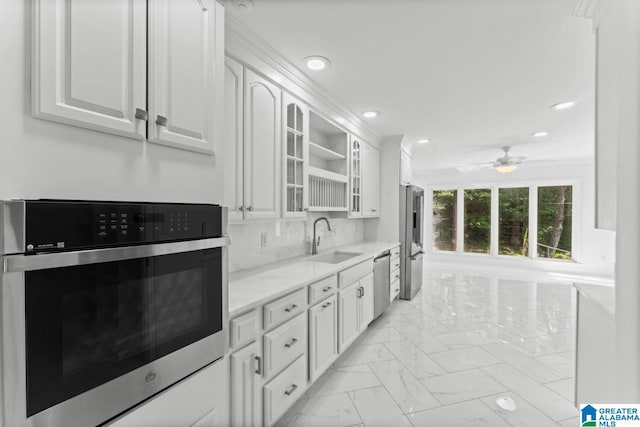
(41, 159)
(288, 239)
(594, 249)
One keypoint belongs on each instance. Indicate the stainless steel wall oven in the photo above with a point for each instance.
(105, 303)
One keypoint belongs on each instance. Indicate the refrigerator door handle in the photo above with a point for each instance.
(417, 256)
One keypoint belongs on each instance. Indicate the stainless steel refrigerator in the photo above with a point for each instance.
(411, 240)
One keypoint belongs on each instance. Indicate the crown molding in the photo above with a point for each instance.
(592, 9)
(242, 44)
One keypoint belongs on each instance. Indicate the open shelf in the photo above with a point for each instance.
(332, 176)
(324, 153)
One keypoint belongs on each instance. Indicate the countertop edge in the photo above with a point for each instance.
(240, 309)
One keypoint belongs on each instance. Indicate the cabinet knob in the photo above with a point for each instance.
(141, 114)
(161, 121)
(291, 343)
(327, 289)
(250, 208)
(290, 309)
(327, 304)
(291, 389)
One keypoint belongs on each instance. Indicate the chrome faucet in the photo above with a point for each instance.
(316, 243)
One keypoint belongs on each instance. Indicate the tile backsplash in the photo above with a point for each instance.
(287, 239)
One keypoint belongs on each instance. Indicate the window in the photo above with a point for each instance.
(477, 221)
(554, 222)
(532, 221)
(445, 217)
(513, 233)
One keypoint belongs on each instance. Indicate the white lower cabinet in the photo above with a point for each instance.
(323, 336)
(284, 390)
(348, 324)
(355, 310)
(201, 400)
(246, 386)
(366, 301)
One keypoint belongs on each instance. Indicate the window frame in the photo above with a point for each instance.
(576, 221)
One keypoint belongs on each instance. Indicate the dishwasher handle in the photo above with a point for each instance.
(383, 255)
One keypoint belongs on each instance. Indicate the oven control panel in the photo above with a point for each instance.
(56, 225)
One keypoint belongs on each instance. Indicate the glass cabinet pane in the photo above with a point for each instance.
(298, 173)
(291, 115)
(291, 149)
(299, 153)
(298, 126)
(298, 204)
(291, 172)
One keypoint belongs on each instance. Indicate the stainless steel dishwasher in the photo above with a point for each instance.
(381, 283)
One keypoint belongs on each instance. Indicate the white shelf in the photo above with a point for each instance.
(323, 173)
(326, 209)
(324, 153)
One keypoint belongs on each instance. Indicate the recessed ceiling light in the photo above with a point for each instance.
(424, 141)
(371, 114)
(244, 6)
(316, 63)
(540, 134)
(563, 105)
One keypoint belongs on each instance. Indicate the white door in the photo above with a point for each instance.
(233, 144)
(295, 157)
(348, 319)
(262, 144)
(370, 181)
(186, 59)
(323, 336)
(366, 301)
(89, 64)
(246, 390)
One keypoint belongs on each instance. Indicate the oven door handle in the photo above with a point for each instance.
(20, 263)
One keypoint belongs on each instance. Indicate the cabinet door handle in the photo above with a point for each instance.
(362, 287)
(291, 389)
(161, 120)
(327, 304)
(291, 343)
(359, 295)
(141, 114)
(290, 309)
(250, 208)
(258, 365)
(327, 289)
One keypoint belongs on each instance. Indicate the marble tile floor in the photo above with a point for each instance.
(444, 358)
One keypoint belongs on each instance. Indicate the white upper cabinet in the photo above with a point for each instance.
(90, 68)
(406, 170)
(295, 149)
(355, 189)
(370, 181)
(262, 136)
(89, 64)
(186, 54)
(233, 150)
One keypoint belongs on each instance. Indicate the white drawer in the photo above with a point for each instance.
(394, 290)
(245, 328)
(394, 274)
(394, 263)
(322, 289)
(284, 308)
(355, 273)
(395, 252)
(284, 390)
(284, 344)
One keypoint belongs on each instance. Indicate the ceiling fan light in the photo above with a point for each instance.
(506, 168)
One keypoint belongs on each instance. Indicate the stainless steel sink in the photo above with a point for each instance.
(335, 257)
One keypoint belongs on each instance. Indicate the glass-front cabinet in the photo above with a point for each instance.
(355, 208)
(296, 154)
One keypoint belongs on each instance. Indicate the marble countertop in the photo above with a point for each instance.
(252, 287)
(602, 294)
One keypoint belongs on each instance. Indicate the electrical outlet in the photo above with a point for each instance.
(263, 240)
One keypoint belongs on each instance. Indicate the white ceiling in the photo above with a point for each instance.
(464, 73)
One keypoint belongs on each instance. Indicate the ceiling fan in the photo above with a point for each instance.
(504, 164)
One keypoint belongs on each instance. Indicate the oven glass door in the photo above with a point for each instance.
(88, 324)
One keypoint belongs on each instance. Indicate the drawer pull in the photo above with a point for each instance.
(397, 276)
(258, 365)
(327, 304)
(291, 343)
(327, 289)
(290, 309)
(396, 265)
(291, 389)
